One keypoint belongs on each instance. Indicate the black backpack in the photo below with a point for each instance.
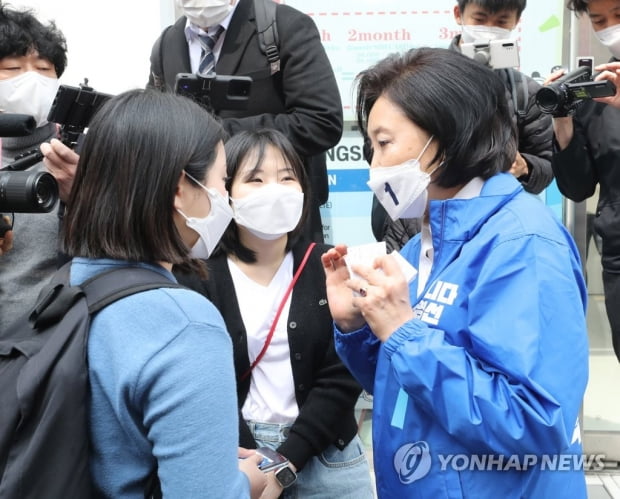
(44, 444)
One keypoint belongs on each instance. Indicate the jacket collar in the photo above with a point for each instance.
(454, 221)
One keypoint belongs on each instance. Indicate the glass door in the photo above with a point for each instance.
(601, 406)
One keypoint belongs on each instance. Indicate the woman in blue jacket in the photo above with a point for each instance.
(478, 366)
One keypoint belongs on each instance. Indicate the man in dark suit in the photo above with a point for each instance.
(301, 99)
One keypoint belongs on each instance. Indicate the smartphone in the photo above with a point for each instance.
(75, 106)
(272, 460)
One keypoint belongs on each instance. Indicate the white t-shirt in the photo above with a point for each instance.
(272, 390)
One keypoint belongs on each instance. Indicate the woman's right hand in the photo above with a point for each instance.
(248, 463)
(339, 295)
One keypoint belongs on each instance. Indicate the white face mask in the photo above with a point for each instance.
(402, 189)
(270, 211)
(610, 37)
(29, 93)
(205, 13)
(211, 227)
(472, 33)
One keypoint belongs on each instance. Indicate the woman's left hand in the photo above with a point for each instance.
(384, 296)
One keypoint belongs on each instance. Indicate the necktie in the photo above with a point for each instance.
(207, 59)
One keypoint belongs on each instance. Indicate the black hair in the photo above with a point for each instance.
(247, 145)
(21, 33)
(122, 202)
(494, 6)
(578, 6)
(452, 97)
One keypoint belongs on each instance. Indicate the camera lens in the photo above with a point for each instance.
(27, 192)
(549, 99)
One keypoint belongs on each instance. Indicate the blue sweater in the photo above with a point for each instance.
(493, 367)
(162, 394)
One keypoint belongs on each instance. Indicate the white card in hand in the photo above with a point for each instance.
(365, 254)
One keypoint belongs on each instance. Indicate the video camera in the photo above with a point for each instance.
(215, 92)
(37, 192)
(496, 54)
(562, 97)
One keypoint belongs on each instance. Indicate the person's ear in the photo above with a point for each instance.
(457, 15)
(180, 195)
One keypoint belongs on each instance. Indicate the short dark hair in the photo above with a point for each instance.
(21, 32)
(456, 99)
(244, 145)
(136, 149)
(578, 6)
(495, 5)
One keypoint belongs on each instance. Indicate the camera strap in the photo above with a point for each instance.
(272, 329)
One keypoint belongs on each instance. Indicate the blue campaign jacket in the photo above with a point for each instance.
(479, 396)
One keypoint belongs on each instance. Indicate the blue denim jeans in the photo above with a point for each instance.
(335, 473)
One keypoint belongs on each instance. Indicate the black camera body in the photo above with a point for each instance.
(37, 192)
(563, 96)
(215, 92)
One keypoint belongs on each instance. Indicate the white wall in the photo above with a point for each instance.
(109, 42)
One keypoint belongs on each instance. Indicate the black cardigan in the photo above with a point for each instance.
(326, 392)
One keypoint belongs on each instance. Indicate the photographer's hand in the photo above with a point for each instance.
(6, 239)
(61, 161)
(562, 127)
(519, 167)
(611, 72)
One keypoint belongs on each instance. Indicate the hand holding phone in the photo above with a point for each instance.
(272, 460)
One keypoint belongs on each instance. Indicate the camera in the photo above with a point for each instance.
(215, 92)
(37, 192)
(562, 97)
(496, 54)
(27, 192)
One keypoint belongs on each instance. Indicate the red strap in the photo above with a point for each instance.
(278, 312)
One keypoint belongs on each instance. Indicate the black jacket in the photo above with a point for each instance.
(593, 157)
(302, 100)
(535, 129)
(326, 392)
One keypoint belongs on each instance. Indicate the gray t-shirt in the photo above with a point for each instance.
(33, 259)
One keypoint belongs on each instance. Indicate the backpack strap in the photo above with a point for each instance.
(54, 299)
(519, 91)
(267, 29)
(58, 296)
(112, 285)
(157, 61)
